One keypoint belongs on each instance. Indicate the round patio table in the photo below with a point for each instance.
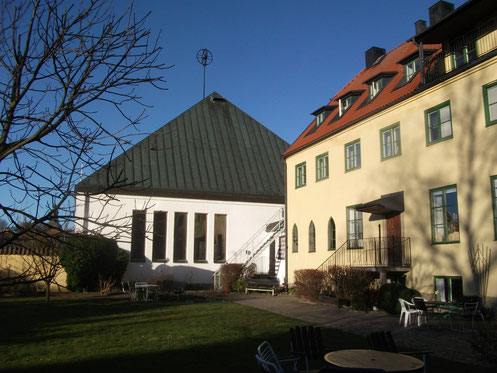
(388, 361)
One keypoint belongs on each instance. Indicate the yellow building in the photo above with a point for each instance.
(398, 172)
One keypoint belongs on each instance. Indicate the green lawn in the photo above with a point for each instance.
(111, 334)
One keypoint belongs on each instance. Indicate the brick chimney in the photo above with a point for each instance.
(439, 11)
(372, 54)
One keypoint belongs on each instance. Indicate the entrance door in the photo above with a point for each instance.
(272, 258)
(394, 241)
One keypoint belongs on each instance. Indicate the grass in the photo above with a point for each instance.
(111, 334)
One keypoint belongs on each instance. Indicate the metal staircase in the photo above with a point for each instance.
(250, 252)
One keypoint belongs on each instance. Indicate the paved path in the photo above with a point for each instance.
(443, 342)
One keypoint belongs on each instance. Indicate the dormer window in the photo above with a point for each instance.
(344, 104)
(347, 100)
(411, 68)
(322, 113)
(377, 83)
(375, 87)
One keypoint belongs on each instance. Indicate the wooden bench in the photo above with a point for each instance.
(247, 289)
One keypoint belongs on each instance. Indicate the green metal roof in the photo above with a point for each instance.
(212, 151)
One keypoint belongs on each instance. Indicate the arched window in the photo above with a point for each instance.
(295, 239)
(312, 238)
(332, 238)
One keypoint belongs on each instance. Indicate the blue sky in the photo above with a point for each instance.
(276, 60)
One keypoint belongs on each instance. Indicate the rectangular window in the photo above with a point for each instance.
(138, 222)
(353, 155)
(438, 123)
(199, 245)
(411, 68)
(390, 141)
(319, 118)
(322, 167)
(219, 238)
(344, 104)
(444, 215)
(300, 175)
(159, 243)
(179, 254)
(448, 288)
(354, 228)
(490, 102)
(493, 180)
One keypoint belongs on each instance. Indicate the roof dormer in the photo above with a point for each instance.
(322, 113)
(378, 82)
(347, 100)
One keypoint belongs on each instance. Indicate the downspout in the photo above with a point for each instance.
(286, 228)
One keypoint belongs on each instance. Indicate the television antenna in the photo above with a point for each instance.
(204, 57)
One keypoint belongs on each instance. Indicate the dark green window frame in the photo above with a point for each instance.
(393, 143)
(355, 236)
(353, 160)
(300, 175)
(312, 237)
(322, 167)
(452, 288)
(488, 105)
(436, 125)
(493, 185)
(441, 213)
(295, 239)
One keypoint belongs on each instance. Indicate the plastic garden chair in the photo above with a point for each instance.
(407, 310)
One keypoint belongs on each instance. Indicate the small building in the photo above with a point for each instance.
(203, 190)
(398, 172)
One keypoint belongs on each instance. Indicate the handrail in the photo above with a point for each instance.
(385, 252)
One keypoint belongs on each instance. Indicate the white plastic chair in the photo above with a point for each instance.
(407, 309)
(269, 362)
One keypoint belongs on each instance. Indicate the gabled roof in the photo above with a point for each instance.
(395, 91)
(213, 150)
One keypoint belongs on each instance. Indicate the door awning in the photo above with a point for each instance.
(388, 204)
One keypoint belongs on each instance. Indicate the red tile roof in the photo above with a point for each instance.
(393, 92)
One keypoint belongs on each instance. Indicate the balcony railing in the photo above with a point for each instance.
(374, 252)
(461, 51)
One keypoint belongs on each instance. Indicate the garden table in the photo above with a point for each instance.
(372, 359)
(147, 288)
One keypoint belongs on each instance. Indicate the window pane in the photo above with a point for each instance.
(179, 236)
(138, 223)
(445, 114)
(295, 239)
(159, 241)
(331, 235)
(358, 154)
(387, 144)
(446, 129)
(396, 140)
(456, 288)
(492, 110)
(440, 288)
(492, 94)
(199, 251)
(219, 238)
(437, 198)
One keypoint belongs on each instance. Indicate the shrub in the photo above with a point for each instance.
(389, 294)
(309, 283)
(89, 259)
(347, 282)
(360, 303)
(230, 273)
(239, 286)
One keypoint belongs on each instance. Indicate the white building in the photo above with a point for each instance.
(200, 191)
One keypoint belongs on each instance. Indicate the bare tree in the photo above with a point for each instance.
(61, 64)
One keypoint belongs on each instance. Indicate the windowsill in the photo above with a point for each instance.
(220, 261)
(180, 261)
(159, 260)
(352, 169)
(355, 248)
(323, 178)
(203, 261)
(299, 186)
(440, 140)
(490, 124)
(446, 242)
(392, 156)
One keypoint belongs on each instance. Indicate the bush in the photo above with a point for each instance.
(389, 294)
(360, 303)
(239, 286)
(230, 273)
(90, 260)
(309, 283)
(348, 282)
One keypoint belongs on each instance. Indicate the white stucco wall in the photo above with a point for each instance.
(243, 220)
